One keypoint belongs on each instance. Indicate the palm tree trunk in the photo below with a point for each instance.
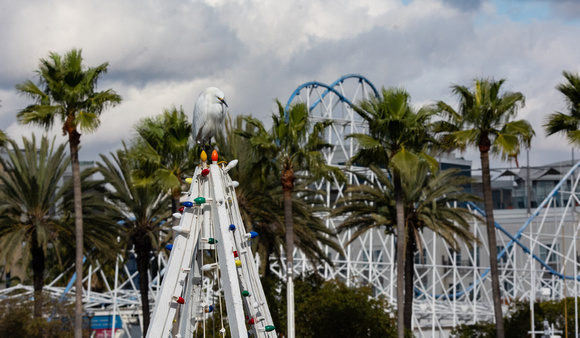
(400, 256)
(409, 277)
(74, 140)
(492, 242)
(288, 184)
(143, 249)
(38, 259)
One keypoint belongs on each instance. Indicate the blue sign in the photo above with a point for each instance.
(105, 322)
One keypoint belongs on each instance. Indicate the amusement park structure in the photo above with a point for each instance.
(538, 250)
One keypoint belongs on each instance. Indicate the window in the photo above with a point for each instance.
(421, 257)
(548, 252)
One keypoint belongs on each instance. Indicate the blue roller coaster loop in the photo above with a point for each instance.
(330, 88)
(515, 239)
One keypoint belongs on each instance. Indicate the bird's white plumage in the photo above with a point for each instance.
(208, 114)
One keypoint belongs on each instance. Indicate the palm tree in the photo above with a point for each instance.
(397, 139)
(429, 202)
(562, 123)
(67, 91)
(485, 120)
(261, 202)
(3, 138)
(29, 196)
(163, 150)
(291, 146)
(99, 228)
(142, 209)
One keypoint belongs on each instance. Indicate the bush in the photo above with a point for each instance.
(518, 322)
(16, 319)
(331, 309)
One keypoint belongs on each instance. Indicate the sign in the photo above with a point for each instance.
(105, 333)
(105, 322)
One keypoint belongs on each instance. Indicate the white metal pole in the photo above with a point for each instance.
(290, 307)
(89, 283)
(532, 279)
(115, 294)
(433, 292)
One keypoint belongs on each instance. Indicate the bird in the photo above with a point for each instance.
(208, 115)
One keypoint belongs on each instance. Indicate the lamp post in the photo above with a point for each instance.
(90, 315)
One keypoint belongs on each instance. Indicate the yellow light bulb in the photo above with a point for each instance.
(203, 156)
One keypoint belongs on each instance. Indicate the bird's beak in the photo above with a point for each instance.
(224, 102)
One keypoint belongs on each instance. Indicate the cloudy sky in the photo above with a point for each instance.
(163, 53)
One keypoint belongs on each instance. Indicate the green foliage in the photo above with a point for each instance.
(67, 91)
(140, 210)
(477, 330)
(213, 325)
(260, 194)
(291, 145)
(162, 149)
(428, 199)
(398, 139)
(518, 320)
(331, 309)
(485, 120)
(16, 319)
(399, 135)
(567, 123)
(3, 138)
(28, 192)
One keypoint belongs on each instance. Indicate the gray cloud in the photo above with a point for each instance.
(165, 53)
(568, 9)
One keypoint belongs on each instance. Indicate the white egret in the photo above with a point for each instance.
(208, 114)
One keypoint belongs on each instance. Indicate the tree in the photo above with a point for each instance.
(291, 146)
(142, 210)
(518, 321)
(67, 91)
(398, 138)
(485, 120)
(332, 309)
(3, 138)
(164, 153)
(562, 123)
(430, 201)
(29, 194)
(261, 203)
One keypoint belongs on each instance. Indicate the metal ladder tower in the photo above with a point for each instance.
(211, 220)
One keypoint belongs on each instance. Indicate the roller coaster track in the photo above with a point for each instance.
(451, 287)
